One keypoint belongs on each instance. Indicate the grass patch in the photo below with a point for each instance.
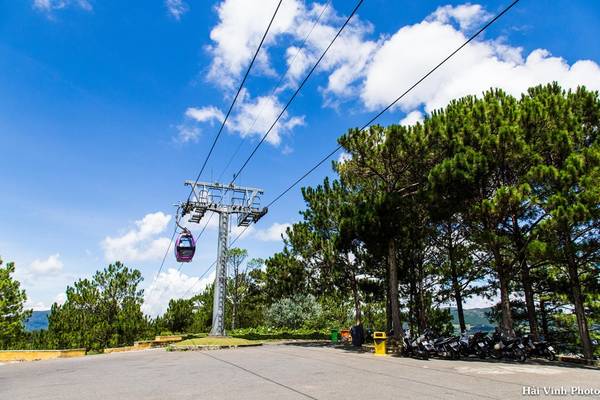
(216, 341)
(279, 334)
(254, 336)
(194, 335)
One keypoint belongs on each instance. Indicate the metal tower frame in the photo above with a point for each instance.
(224, 200)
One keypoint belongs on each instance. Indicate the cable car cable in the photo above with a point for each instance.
(475, 35)
(359, 3)
(297, 91)
(379, 114)
(165, 255)
(281, 78)
(236, 175)
(222, 126)
(212, 147)
(214, 262)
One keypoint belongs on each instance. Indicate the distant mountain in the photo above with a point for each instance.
(473, 316)
(475, 319)
(37, 321)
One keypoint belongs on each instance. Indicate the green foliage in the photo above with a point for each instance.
(440, 321)
(374, 316)
(12, 312)
(284, 276)
(299, 311)
(179, 316)
(488, 195)
(265, 333)
(104, 311)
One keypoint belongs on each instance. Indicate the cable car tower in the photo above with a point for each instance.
(224, 200)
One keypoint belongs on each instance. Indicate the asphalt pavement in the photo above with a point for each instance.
(306, 371)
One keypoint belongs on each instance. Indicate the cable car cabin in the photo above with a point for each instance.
(185, 247)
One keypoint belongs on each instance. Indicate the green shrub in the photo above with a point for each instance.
(299, 311)
(266, 333)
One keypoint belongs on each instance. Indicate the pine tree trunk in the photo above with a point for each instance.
(504, 279)
(455, 283)
(412, 309)
(519, 242)
(529, 301)
(393, 287)
(544, 318)
(459, 303)
(422, 309)
(388, 311)
(355, 294)
(575, 284)
(584, 333)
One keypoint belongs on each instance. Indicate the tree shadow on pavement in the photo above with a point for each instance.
(347, 348)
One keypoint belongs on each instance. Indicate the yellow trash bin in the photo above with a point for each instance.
(380, 339)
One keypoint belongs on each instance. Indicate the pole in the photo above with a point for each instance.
(218, 322)
(225, 200)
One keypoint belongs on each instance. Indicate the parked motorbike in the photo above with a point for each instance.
(417, 347)
(509, 348)
(478, 345)
(539, 348)
(440, 346)
(475, 345)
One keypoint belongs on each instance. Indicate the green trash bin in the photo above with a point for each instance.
(335, 336)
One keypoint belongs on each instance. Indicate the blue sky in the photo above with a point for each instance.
(107, 107)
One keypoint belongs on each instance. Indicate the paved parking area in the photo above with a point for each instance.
(284, 372)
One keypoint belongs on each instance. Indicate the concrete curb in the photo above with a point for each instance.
(36, 355)
(210, 347)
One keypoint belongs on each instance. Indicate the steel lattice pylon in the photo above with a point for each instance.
(223, 200)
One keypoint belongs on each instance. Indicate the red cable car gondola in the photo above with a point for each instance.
(185, 246)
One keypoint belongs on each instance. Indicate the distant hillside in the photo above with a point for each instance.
(37, 321)
(475, 319)
(473, 316)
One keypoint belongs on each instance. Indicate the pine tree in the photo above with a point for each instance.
(12, 312)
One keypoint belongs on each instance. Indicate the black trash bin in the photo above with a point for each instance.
(358, 335)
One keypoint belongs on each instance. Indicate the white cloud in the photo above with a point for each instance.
(205, 114)
(287, 150)
(467, 15)
(60, 298)
(242, 23)
(478, 67)
(243, 231)
(140, 243)
(346, 59)
(344, 157)
(41, 306)
(176, 8)
(478, 302)
(50, 266)
(272, 233)
(172, 284)
(255, 117)
(252, 117)
(187, 133)
(37, 306)
(412, 118)
(51, 5)
(376, 70)
(237, 35)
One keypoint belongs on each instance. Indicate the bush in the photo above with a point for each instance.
(299, 311)
(264, 333)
